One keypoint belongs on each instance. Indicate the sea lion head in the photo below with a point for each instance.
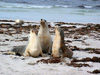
(59, 31)
(32, 33)
(58, 28)
(43, 23)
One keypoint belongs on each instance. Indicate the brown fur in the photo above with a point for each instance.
(59, 48)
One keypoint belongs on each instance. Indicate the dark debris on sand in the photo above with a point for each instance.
(89, 50)
(95, 71)
(84, 30)
(68, 31)
(78, 65)
(58, 60)
(92, 50)
(50, 60)
(94, 59)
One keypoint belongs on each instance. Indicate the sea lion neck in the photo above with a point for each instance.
(43, 25)
(44, 28)
(57, 33)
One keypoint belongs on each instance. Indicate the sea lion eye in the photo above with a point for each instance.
(32, 30)
(45, 20)
(41, 19)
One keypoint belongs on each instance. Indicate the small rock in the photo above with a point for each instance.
(31, 63)
(19, 22)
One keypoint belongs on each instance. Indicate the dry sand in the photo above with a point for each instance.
(83, 39)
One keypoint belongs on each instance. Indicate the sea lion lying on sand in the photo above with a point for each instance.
(18, 50)
(59, 48)
(19, 22)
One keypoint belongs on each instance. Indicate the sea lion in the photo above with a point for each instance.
(33, 48)
(45, 37)
(59, 49)
(19, 22)
(18, 50)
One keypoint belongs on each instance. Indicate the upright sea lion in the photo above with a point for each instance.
(59, 48)
(33, 48)
(45, 37)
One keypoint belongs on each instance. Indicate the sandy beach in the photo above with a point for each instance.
(80, 21)
(82, 38)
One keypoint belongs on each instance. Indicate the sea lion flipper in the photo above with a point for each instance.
(26, 54)
(50, 49)
(41, 53)
(9, 53)
(62, 59)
